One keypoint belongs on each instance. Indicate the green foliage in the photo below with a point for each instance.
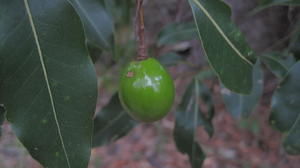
(291, 142)
(188, 117)
(224, 45)
(48, 83)
(264, 4)
(251, 124)
(285, 101)
(279, 2)
(170, 59)
(294, 46)
(176, 32)
(269, 3)
(98, 24)
(121, 11)
(285, 109)
(275, 65)
(185, 142)
(111, 123)
(242, 105)
(2, 117)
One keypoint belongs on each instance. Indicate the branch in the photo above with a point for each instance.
(140, 31)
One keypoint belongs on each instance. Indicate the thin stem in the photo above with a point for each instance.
(140, 31)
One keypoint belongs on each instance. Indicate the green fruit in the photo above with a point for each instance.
(146, 90)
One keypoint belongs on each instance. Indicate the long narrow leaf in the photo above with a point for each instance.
(285, 110)
(111, 123)
(224, 45)
(285, 101)
(188, 118)
(97, 22)
(47, 80)
(242, 105)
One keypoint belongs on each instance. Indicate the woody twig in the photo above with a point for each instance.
(140, 31)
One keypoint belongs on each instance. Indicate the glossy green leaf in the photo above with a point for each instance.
(111, 123)
(242, 105)
(224, 45)
(98, 24)
(285, 101)
(47, 80)
(176, 32)
(2, 117)
(189, 117)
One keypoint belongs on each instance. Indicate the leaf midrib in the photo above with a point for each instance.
(221, 31)
(40, 54)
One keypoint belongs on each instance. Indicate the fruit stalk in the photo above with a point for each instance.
(140, 31)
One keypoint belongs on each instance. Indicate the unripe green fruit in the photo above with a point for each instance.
(146, 90)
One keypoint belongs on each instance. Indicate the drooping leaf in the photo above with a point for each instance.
(294, 46)
(269, 3)
(295, 49)
(188, 118)
(224, 45)
(264, 4)
(291, 142)
(47, 80)
(206, 120)
(242, 105)
(2, 117)
(111, 123)
(176, 32)
(285, 114)
(185, 143)
(285, 101)
(98, 24)
(279, 2)
(275, 65)
(170, 59)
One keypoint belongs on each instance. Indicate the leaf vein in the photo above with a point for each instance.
(221, 31)
(28, 11)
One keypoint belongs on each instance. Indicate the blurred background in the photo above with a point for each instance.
(236, 143)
